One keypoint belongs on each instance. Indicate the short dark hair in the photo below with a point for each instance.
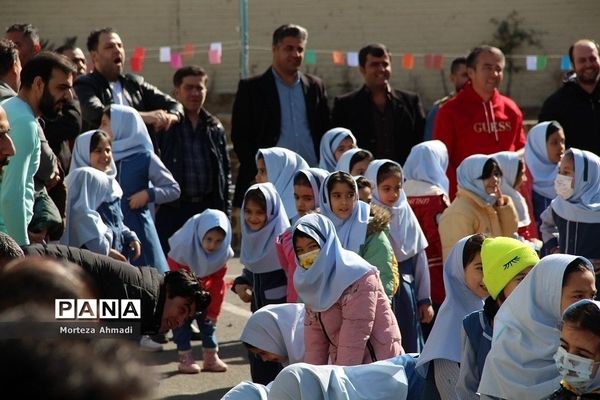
(373, 49)
(362, 182)
(42, 65)
(457, 62)
(289, 30)
(94, 37)
(9, 54)
(9, 248)
(192, 70)
(64, 48)
(185, 284)
(476, 51)
(27, 30)
(572, 48)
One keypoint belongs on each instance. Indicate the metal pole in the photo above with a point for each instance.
(244, 56)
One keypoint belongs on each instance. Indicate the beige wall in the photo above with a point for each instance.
(418, 26)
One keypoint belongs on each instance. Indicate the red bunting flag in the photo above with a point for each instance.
(408, 61)
(188, 51)
(438, 61)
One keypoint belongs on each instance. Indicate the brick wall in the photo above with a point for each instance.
(418, 26)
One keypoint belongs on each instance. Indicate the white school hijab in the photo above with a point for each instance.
(377, 381)
(406, 236)
(247, 391)
(428, 162)
(258, 252)
(445, 341)
(468, 175)
(329, 143)
(540, 167)
(351, 231)
(343, 163)
(130, 135)
(186, 243)
(278, 329)
(520, 364)
(282, 165)
(334, 269)
(509, 165)
(584, 203)
(87, 189)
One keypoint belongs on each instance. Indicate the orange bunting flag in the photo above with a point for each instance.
(188, 51)
(408, 61)
(438, 61)
(339, 58)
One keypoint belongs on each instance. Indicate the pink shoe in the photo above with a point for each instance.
(187, 365)
(212, 362)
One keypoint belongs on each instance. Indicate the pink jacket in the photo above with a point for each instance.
(287, 260)
(361, 319)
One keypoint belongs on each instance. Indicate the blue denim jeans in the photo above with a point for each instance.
(182, 336)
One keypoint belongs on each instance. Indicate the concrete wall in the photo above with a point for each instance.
(417, 26)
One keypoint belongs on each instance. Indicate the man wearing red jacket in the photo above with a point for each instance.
(479, 120)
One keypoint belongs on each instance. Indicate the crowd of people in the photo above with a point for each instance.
(386, 253)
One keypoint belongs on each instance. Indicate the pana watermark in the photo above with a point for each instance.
(93, 309)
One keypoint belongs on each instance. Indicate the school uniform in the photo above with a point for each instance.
(476, 344)
(137, 166)
(408, 243)
(186, 251)
(282, 165)
(520, 364)
(329, 143)
(541, 170)
(444, 342)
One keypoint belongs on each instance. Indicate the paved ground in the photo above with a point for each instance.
(205, 385)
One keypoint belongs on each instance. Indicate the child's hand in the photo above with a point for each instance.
(244, 292)
(500, 200)
(136, 247)
(37, 237)
(426, 313)
(138, 200)
(112, 253)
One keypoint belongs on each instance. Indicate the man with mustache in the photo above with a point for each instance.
(576, 105)
(107, 84)
(46, 84)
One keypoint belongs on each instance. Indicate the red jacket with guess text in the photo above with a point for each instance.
(468, 125)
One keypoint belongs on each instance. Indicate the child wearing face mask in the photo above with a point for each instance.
(426, 189)
(439, 360)
(94, 216)
(334, 143)
(578, 357)
(479, 206)
(348, 318)
(307, 183)
(412, 301)
(279, 166)
(544, 149)
(354, 161)
(360, 227)
(520, 364)
(506, 261)
(202, 245)
(263, 281)
(571, 223)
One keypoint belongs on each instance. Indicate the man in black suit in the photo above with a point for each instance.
(385, 121)
(282, 107)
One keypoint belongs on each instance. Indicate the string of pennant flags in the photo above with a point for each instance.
(176, 55)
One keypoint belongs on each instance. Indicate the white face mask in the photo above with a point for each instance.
(575, 370)
(307, 260)
(563, 185)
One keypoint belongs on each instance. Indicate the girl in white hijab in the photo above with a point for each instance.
(520, 364)
(334, 143)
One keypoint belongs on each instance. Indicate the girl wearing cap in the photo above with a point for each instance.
(349, 320)
(571, 224)
(506, 261)
(578, 357)
(439, 359)
(520, 364)
(479, 206)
